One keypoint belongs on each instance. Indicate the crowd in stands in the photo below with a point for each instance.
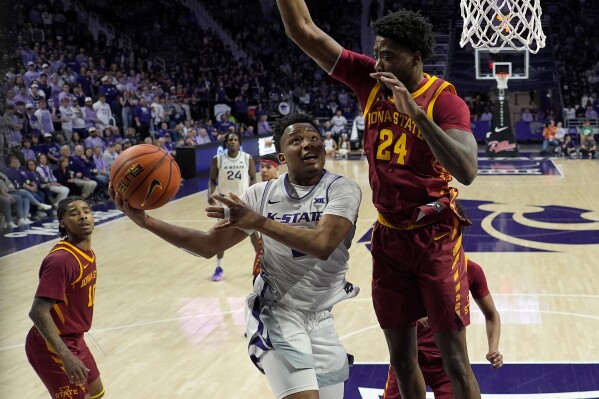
(576, 49)
(558, 141)
(73, 100)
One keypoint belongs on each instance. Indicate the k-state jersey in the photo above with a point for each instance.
(291, 277)
(233, 173)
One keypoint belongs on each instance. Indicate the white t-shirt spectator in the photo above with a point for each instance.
(103, 112)
(338, 122)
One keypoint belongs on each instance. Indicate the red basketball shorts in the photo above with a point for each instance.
(420, 272)
(48, 365)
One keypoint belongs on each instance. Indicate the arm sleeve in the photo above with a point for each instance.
(477, 280)
(57, 271)
(451, 112)
(252, 197)
(354, 70)
(344, 200)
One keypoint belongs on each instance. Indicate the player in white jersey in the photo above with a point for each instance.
(231, 171)
(307, 220)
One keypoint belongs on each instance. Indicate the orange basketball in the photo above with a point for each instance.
(146, 176)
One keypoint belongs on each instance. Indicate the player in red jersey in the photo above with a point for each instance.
(429, 356)
(63, 308)
(269, 169)
(417, 136)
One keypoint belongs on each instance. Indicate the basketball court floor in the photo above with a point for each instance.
(163, 329)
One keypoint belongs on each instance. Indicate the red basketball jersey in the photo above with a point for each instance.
(410, 187)
(68, 275)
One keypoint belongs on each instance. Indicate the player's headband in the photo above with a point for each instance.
(270, 162)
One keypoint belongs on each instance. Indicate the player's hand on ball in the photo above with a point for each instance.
(236, 213)
(496, 359)
(137, 215)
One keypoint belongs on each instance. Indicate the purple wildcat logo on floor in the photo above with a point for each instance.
(500, 227)
(512, 381)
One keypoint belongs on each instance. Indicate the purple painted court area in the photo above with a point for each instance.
(526, 228)
(517, 167)
(581, 380)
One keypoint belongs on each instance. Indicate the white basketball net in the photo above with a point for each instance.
(502, 79)
(502, 23)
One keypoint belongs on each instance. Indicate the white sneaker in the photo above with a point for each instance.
(12, 225)
(44, 207)
(22, 222)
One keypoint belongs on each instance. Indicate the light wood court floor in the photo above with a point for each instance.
(162, 329)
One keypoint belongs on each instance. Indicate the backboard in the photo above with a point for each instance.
(488, 62)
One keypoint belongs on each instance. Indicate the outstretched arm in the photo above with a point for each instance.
(319, 242)
(310, 38)
(493, 322)
(201, 243)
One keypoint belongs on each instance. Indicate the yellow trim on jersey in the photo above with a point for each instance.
(456, 224)
(458, 245)
(387, 383)
(100, 394)
(79, 251)
(76, 258)
(50, 348)
(381, 219)
(424, 88)
(58, 312)
(431, 104)
(371, 98)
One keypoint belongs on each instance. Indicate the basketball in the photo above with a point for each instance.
(146, 176)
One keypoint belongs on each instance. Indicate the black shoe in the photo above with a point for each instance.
(350, 359)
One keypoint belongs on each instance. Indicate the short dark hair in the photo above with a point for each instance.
(281, 124)
(409, 29)
(227, 139)
(62, 210)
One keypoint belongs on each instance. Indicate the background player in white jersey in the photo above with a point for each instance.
(307, 220)
(231, 171)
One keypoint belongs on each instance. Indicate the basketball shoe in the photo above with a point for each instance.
(218, 274)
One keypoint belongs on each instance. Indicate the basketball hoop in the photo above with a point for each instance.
(502, 78)
(495, 24)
